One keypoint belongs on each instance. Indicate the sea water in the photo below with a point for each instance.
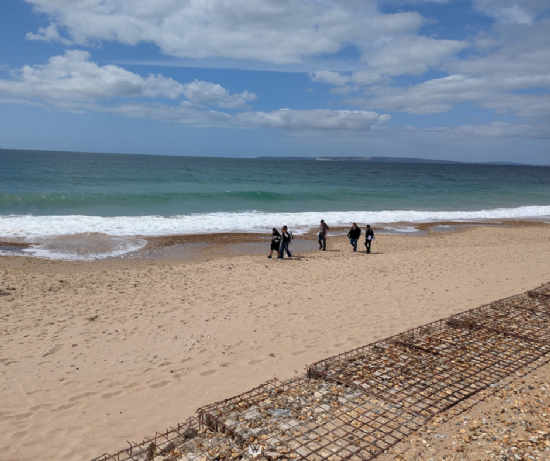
(44, 195)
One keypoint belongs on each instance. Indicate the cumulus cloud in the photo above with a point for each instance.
(48, 34)
(439, 95)
(321, 119)
(72, 79)
(503, 130)
(413, 55)
(278, 31)
(73, 82)
(202, 92)
(327, 76)
(283, 119)
(510, 75)
(409, 54)
(512, 11)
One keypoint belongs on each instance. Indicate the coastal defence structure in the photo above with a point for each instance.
(358, 405)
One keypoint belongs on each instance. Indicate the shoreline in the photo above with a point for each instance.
(201, 242)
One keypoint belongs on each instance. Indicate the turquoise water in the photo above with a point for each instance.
(55, 193)
(54, 183)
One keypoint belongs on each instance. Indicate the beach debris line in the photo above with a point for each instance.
(357, 405)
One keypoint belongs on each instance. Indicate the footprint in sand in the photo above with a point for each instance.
(64, 407)
(299, 352)
(110, 395)
(42, 406)
(20, 417)
(255, 362)
(208, 372)
(161, 384)
(18, 435)
(131, 386)
(78, 397)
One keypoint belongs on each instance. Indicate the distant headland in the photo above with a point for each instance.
(398, 160)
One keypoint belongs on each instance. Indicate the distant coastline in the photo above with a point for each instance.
(399, 160)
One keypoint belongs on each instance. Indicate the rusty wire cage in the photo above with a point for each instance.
(312, 420)
(429, 369)
(188, 441)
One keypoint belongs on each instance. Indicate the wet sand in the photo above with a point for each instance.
(96, 353)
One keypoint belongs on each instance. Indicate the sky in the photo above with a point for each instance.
(441, 79)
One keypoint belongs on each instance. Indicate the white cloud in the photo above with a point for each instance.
(413, 55)
(72, 79)
(366, 77)
(409, 54)
(278, 31)
(503, 130)
(327, 76)
(510, 75)
(73, 82)
(321, 119)
(439, 95)
(48, 34)
(283, 119)
(201, 92)
(512, 11)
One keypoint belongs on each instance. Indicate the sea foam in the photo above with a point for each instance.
(31, 227)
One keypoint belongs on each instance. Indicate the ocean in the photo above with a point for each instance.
(51, 194)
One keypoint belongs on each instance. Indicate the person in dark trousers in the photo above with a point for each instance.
(323, 231)
(275, 242)
(287, 238)
(353, 235)
(369, 237)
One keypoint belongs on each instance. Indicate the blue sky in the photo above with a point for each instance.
(463, 80)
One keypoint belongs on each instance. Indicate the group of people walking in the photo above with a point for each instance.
(354, 234)
(280, 241)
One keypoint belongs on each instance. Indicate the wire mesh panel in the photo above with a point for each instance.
(408, 377)
(511, 318)
(312, 420)
(187, 442)
(483, 351)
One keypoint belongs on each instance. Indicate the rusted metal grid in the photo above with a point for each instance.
(431, 368)
(542, 292)
(521, 317)
(188, 441)
(312, 420)
(497, 353)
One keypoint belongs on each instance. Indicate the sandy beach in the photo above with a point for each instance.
(93, 354)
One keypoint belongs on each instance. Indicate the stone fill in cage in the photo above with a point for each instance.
(188, 441)
(357, 405)
(523, 318)
(313, 420)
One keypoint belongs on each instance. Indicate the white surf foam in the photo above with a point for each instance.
(405, 229)
(79, 247)
(30, 227)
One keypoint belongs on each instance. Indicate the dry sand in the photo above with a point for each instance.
(94, 354)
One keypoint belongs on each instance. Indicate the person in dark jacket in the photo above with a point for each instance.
(353, 235)
(275, 242)
(323, 231)
(287, 238)
(369, 237)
